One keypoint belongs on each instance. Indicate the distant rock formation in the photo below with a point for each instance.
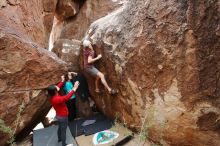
(90, 11)
(68, 51)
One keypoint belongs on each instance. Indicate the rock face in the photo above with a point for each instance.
(74, 17)
(55, 32)
(24, 18)
(49, 7)
(26, 69)
(68, 51)
(90, 11)
(66, 9)
(164, 58)
(62, 11)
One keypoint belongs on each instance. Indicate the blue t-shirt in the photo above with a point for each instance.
(68, 87)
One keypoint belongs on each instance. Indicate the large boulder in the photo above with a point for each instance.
(26, 70)
(164, 58)
(55, 32)
(24, 19)
(48, 25)
(49, 5)
(90, 11)
(66, 9)
(68, 51)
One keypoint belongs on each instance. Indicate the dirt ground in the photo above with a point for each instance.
(87, 140)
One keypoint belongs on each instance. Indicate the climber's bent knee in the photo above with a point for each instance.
(100, 75)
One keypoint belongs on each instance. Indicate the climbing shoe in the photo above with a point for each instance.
(113, 92)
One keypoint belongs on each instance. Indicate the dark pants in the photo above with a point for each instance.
(71, 105)
(62, 126)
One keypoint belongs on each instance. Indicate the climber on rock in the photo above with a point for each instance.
(89, 59)
(58, 103)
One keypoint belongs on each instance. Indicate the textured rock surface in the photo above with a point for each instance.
(91, 10)
(83, 108)
(25, 71)
(25, 67)
(48, 23)
(68, 51)
(66, 9)
(55, 32)
(26, 142)
(74, 17)
(24, 18)
(49, 5)
(164, 57)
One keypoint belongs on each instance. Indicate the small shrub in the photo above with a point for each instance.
(4, 128)
(8, 130)
(143, 134)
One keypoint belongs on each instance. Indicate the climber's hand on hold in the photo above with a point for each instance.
(99, 56)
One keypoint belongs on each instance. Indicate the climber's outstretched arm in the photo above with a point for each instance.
(60, 84)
